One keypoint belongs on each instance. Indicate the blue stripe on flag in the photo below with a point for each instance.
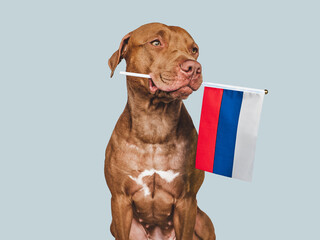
(227, 132)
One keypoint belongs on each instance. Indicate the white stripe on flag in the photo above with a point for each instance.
(247, 135)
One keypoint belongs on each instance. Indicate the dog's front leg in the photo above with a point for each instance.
(184, 218)
(121, 207)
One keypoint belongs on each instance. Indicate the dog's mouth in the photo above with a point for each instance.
(152, 87)
(185, 88)
(182, 90)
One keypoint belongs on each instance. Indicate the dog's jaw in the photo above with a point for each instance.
(176, 88)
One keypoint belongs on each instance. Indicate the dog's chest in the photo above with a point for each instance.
(157, 170)
(159, 159)
(151, 180)
(154, 192)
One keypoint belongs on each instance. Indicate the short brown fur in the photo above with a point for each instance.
(155, 133)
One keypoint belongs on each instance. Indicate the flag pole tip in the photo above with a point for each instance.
(266, 91)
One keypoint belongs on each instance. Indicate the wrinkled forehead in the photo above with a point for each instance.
(151, 32)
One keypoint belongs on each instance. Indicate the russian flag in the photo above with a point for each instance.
(228, 131)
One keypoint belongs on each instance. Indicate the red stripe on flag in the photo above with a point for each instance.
(208, 128)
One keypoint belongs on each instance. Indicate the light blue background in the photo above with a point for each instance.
(59, 107)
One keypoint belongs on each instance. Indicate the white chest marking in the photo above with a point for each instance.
(168, 176)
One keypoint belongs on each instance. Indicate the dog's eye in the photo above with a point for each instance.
(156, 43)
(194, 50)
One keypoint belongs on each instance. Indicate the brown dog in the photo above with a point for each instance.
(150, 157)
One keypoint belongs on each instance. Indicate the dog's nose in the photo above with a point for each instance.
(191, 68)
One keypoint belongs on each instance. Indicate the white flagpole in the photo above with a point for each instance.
(135, 74)
(209, 84)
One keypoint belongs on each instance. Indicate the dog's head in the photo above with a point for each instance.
(168, 54)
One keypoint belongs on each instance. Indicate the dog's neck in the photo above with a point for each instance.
(151, 120)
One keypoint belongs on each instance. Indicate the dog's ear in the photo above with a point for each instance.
(118, 55)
